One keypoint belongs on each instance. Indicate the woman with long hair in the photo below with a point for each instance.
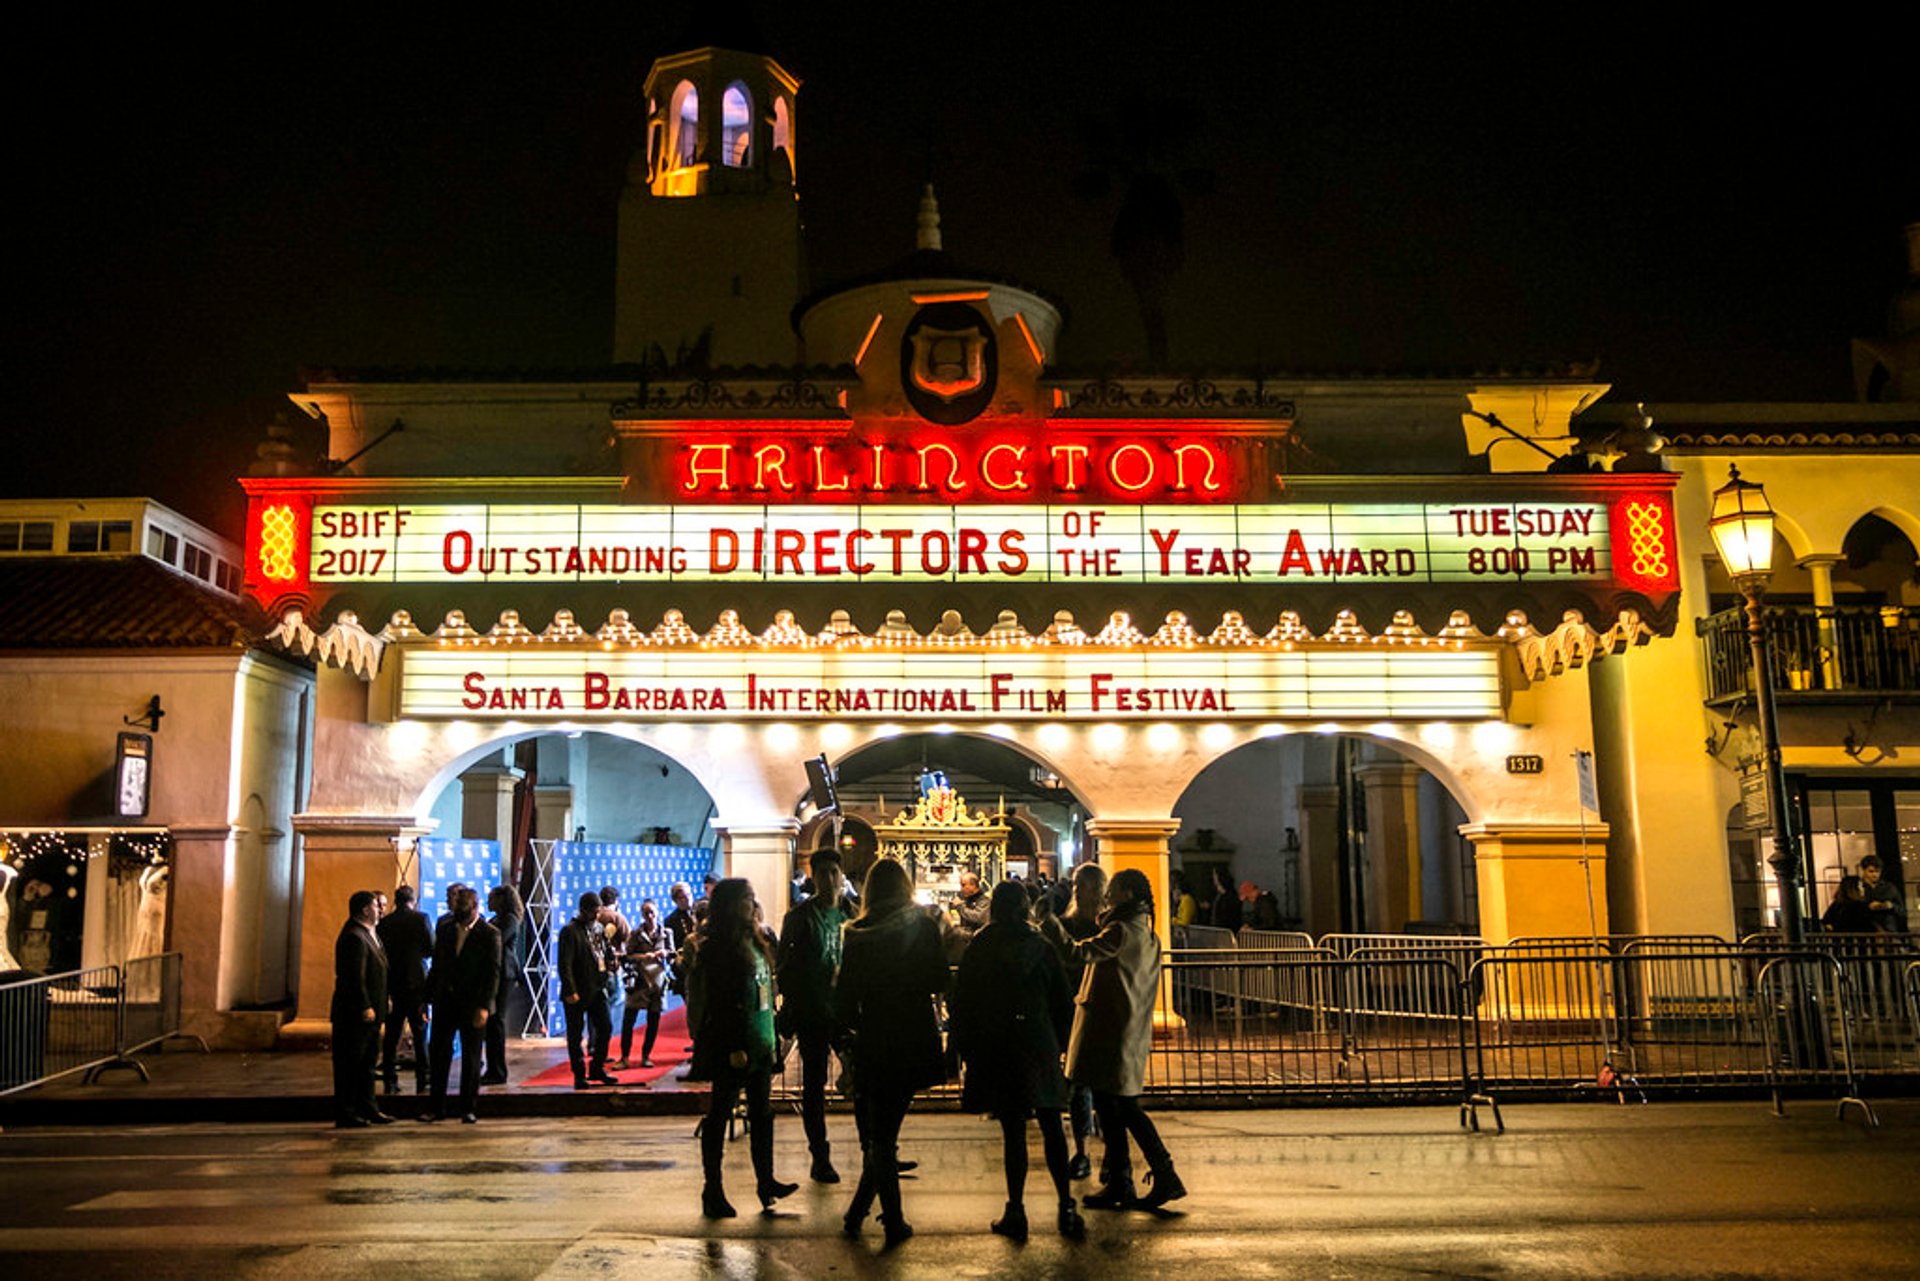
(730, 1008)
(1112, 1036)
(1011, 1013)
(891, 967)
(1080, 922)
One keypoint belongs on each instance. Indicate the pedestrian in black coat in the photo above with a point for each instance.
(892, 965)
(1010, 1019)
(583, 994)
(503, 901)
(359, 1003)
(464, 988)
(407, 936)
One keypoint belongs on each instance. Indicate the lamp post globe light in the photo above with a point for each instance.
(1742, 528)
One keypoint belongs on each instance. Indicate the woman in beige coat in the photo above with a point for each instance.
(1112, 1035)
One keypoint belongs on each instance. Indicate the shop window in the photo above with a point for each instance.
(685, 109)
(736, 126)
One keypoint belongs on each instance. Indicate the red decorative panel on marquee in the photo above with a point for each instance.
(1645, 552)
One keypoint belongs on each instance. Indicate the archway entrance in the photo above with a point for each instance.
(552, 816)
(1327, 833)
(1044, 822)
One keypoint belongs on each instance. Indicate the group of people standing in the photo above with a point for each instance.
(443, 982)
(602, 953)
(1031, 988)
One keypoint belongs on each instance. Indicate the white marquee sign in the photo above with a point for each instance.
(1446, 542)
(925, 684)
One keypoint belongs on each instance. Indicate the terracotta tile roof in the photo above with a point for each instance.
(123, 602)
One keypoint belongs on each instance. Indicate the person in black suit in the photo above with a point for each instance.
(359, 1003)
(407, 936)
(583, 993)
(508, 913)
(463, 989)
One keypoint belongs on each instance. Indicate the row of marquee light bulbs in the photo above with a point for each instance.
(1176, 632)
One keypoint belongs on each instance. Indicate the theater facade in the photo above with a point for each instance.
(895, 518)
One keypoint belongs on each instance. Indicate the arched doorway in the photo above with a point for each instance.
(880, 779)
(556, 814)
(1328, 833)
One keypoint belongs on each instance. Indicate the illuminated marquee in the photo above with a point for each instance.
(1626, 539)
(999, 467)
(585, 684)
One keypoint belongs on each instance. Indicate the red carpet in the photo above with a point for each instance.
(670, 1050)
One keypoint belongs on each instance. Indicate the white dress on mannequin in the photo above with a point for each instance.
(7, 878)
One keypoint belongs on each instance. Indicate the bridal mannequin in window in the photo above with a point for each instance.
(7, 877)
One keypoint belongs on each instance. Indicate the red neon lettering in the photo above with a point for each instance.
(878, 484)
(1019, 482)
(820, 474)
(1113, 467)
(771, 460)
(1070, 463)
(1208, 485)
(698, 471)
(952, 484)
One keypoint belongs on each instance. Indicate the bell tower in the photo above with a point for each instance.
(708, 266)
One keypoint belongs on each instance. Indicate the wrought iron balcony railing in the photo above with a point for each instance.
(1855, 651)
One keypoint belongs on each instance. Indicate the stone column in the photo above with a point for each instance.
(1394, 895)
(1141, 844)
(1827, 668)
(340, 853)
(1320, 860)
(486, 802)
(1533, 881)
(763, 853)
(202, 857)
(553, 812)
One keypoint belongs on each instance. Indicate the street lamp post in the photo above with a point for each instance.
(1742, 529)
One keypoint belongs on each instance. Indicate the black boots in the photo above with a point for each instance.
(1166, 1186)
(1117, 1195)
(1012, 1224)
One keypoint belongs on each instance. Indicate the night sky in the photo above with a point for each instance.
(200, 211)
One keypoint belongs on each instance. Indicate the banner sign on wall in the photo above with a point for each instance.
(1622, 539)
(1068, 683)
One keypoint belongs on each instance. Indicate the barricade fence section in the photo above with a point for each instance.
(86, 1020)
(57, 1024)
(152, 1004)
(1276, 1022)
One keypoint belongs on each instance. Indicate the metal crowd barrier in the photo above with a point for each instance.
(1267, 1022)
(88, 1021)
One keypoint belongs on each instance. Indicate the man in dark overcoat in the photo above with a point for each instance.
(359, 1003)
(463, 987)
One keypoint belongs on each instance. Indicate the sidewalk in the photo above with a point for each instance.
(297, 1085)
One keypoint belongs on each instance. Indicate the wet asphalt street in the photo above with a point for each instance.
(1675, 1189)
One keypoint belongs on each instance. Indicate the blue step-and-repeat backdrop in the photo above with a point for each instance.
(637, 871)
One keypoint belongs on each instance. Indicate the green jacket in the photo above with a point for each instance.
(809, 962)
(730, 1010)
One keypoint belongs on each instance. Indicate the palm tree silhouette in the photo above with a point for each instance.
(1137, 151)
